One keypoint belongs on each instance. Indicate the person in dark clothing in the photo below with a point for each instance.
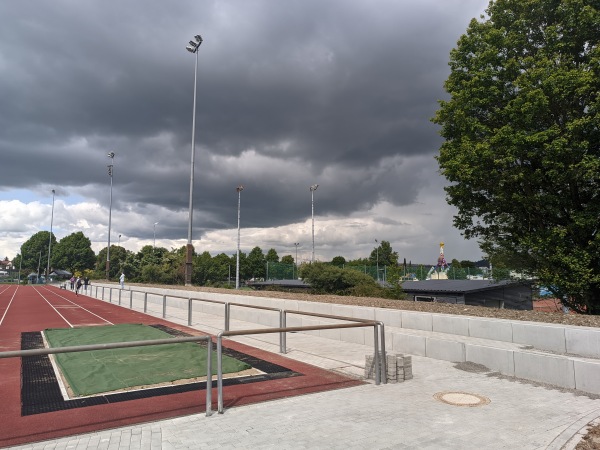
(77, 286)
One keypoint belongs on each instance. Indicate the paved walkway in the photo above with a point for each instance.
(405, 415)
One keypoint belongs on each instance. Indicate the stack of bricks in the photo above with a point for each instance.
(399, 368)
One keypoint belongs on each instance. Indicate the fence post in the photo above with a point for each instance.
(102, 292)
(110, 294)
(145, 301)
(208, 375)
(381, 327)
(130, 299)
(227, 313)
(120, 296)
(377, 356)
(219, 373)
(164, 306)
(282, 342)
(190, 315)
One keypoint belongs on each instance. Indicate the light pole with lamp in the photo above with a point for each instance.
(296, 244)
(111, 155)
(154, 244)
(119, 240)
(313, 188)
(377, 252)
(50, 239)
(239, 190)
(192, 48)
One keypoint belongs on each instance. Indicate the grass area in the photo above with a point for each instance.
(98, 371)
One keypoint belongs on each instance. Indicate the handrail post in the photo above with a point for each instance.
(164, 306)
(189, 312)
(120, 296)
(281, 333)
(282, 338)
(208, 376)
(145, 301)
(110, 295)
(384, 356)
(219, 373)
(376, 345)
(130, 299)
(227, 314)
(102, 293)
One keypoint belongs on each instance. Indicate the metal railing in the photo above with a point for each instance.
(378, 366)
(83, 348)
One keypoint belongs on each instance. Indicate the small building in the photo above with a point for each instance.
(507, 294)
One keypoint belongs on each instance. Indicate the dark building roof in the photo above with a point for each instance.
(455, 286)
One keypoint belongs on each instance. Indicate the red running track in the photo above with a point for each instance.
(35, 308)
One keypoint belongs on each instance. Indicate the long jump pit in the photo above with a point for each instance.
(41, 400)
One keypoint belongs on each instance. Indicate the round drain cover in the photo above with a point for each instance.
(461, 399)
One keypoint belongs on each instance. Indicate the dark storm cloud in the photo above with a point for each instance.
(338, 93)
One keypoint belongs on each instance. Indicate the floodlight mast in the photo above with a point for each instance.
(111, 155)
(192, 48)
(313, 188)
(239, 190)
(50, 239)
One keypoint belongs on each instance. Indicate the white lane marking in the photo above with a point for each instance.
(8, 306)
(52, 306)
(75, 305)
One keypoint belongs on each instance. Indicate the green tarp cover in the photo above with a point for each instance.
(97, 371)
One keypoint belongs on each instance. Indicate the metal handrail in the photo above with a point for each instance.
(113, 345)
(284, 330)
(350, 319)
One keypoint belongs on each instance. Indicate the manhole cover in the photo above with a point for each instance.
(461, 399)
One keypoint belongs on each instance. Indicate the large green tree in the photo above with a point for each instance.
(73, 253)
(34, 253)
(522, 140)
(384, 254)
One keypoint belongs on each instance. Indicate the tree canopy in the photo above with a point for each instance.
(522, 140)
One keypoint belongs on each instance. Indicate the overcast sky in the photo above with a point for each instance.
(291, 93)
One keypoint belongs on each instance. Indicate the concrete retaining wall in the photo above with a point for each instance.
(512, 348)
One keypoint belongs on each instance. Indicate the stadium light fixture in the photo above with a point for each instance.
(192, 48)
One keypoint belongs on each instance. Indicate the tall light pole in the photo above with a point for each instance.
(192, 48)
(154, 245)
(313, 188)
(296, 244)
(50, 239)
(377, 253)
(239, 190)
(111, 155)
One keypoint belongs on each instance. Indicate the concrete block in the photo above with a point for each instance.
(341, 310)
(495, 359)
(390, 317)
(450, 324)
(583, 341)
(407, 343)
(551, 369)
(444, 350)
(541, 336)
(496, 330)
(309, 322)
(417, 321)
(587, 376)
(361, 312)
